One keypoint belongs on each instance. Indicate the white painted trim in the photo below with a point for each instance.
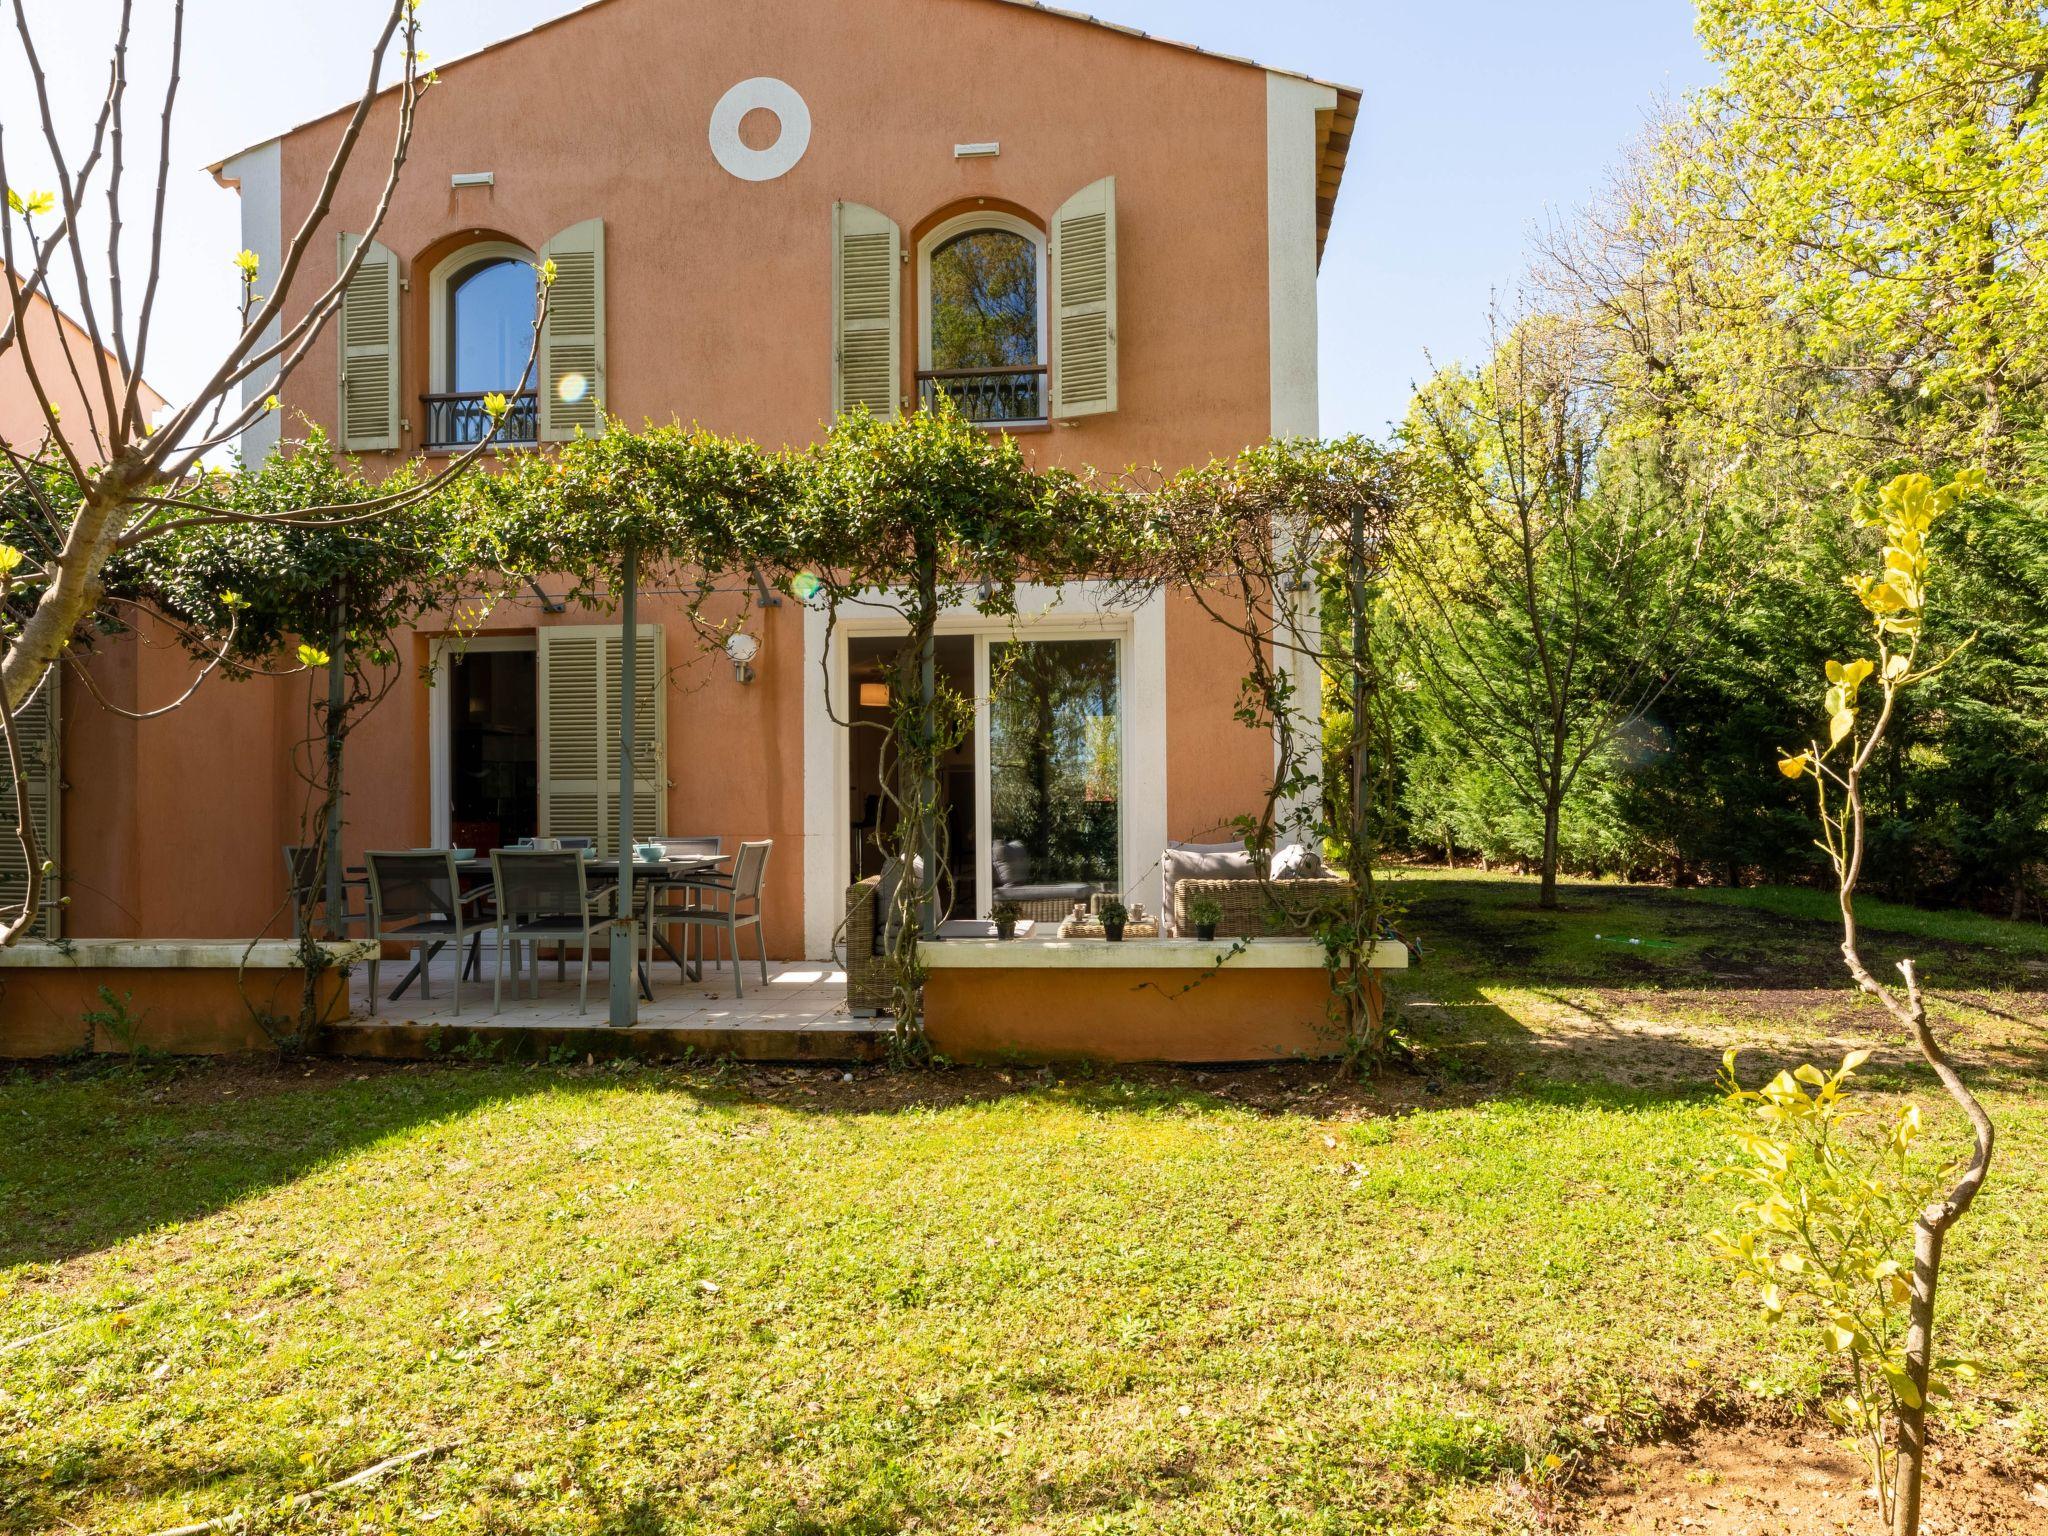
(1291, 107)
(440, 780)
(258, 175)
(1076, 610)
(1143, 955)
(763, 93)
(825, 862)
(438, 361)
(1291, 166)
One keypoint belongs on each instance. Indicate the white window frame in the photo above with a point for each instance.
(1073, 611)
(440, 366)
(440, 771)
(967, 224)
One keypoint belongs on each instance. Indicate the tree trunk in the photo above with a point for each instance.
(1548, 891)
(1928, 1235)
(73, 590)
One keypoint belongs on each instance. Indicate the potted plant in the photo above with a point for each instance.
(1112, 914)
(1205, 912)
(1005, 915)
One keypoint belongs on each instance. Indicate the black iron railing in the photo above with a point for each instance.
(989, 395)
(459, 421)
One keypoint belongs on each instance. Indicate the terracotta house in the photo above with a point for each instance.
(50, 341)
(761, 214)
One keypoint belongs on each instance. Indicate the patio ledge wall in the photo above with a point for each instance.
(1178, 1000)
(187, 998)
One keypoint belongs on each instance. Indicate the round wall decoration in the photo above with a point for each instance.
(765, 94)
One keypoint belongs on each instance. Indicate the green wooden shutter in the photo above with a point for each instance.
(368, 347)
(867, 325)
(1084, 350)
(572, 380)
(579, 733)
(37, 724)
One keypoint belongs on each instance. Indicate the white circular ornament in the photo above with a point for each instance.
(763, 93)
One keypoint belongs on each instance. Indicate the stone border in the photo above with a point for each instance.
(172, 954)
(1140, 955)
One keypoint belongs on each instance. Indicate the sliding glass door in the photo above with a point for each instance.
(1053, 770)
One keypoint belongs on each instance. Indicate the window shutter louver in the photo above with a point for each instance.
(572, 340)
(867, 326)
(579, 737)
(1084, 302)
(369, 350)
(37, 725)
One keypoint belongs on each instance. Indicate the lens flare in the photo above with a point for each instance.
(806, 586)
(572, 388)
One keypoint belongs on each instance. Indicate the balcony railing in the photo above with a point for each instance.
(989, 396)
(460, 421)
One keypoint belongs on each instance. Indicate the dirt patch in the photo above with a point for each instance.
(1763, 1480)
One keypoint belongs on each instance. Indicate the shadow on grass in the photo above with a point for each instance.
(92, 1159)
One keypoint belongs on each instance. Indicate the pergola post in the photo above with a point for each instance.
(337, 694)
(625, 970)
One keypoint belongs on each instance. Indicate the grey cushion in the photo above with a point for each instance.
(1012, 861)
(1202, 861)
(1297, 861)
(885, 901)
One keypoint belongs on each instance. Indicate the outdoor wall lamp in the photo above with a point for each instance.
(742, 648)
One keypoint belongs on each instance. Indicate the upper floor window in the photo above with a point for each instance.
(982, 297)
(483, 301)
(490, 324)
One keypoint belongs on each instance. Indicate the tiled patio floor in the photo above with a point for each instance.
(799, 1000)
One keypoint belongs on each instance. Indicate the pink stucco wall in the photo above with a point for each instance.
(719, 310)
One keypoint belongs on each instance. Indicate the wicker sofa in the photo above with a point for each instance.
(1255, 909)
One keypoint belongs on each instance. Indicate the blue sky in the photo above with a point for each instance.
(1479, 116)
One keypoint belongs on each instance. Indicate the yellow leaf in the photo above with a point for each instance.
(1840, 724)
(312, 656)
(1807, 1072)
(10, 557)
(1854, 1060)
(1792, 767)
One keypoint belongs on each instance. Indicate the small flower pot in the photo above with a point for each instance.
(1006, 930)
(1114, 932)
(1206, 932)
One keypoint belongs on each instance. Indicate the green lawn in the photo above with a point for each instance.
(775, 1301)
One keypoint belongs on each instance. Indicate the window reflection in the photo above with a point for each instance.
(1056, 757)
(984, 301)
(490, 325)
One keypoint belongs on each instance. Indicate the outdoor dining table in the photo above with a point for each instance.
(676, 867)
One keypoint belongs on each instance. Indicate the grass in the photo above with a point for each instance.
(624, 1300)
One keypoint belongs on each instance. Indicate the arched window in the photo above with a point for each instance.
(483, 299)
(982, 304)
(490, 324)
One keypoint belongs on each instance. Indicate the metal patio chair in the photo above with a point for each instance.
(416, 898)
(545, 897)
(726, 906)
(684, 886)
(305, 871)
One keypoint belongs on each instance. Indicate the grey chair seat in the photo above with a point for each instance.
(432, 928)
(546, 927)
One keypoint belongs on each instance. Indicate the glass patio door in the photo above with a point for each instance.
(1052, 770)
